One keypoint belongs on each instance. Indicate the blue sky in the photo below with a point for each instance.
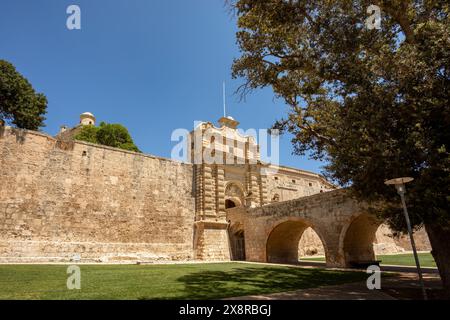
(152, 65)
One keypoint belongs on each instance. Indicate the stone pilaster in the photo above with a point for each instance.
(220, 191)
(199, 192)
(254, 186)
(209, 192)
(263, 188)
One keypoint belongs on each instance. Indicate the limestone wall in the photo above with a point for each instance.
(310, 244)
(60, 199)
(289, 183)
(387, 243)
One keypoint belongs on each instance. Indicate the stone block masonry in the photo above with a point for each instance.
(62, 199)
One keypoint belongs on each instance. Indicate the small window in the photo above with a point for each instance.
(84, 153)
(293, 181)
(310, 184)
(276, 178)
(213, 139)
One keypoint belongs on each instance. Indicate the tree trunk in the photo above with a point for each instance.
(440, 244)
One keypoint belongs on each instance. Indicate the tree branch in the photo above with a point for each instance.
(400, 16)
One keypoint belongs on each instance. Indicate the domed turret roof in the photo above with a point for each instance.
(87, 114)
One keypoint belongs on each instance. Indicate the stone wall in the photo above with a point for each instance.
(387, 243)
(289, 183)
(310, 244)
(212, 241)
(63, 199)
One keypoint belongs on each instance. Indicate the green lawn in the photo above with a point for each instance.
(426, 259)
(185, 281)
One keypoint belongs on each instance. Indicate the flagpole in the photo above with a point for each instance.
(224, 101)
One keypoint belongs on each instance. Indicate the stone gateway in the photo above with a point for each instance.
(61, 199)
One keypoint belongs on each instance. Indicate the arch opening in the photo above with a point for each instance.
(310, 245)
(234, 195)
(229, 204)
(359, 240)
(283, 241)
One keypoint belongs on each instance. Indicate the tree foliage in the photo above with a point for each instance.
(19, 103)
(88, 133)
(112, 135)
(373, 103)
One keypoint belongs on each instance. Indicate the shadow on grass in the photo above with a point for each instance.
(250, 280)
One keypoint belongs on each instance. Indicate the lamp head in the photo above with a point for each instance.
(400, 188)
(399, 184)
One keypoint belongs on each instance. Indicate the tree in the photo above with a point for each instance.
(374, 104)
(88, 133)
(19, 103)
(112, 135)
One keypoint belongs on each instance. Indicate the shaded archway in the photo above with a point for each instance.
(358, 240)
(283, 241)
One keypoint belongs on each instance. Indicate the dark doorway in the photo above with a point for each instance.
(229, 204)
(238, 246)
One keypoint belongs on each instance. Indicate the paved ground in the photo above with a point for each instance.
(352, 291)
(403, 286)
(409, 269)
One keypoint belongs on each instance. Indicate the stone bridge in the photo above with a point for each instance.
(272, 232)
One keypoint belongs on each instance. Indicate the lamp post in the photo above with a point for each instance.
(399, 184)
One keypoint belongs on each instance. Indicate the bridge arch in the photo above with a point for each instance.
(283, 240)
(357, 239)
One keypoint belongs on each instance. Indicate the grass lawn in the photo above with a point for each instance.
(407, 259)
(182, 281)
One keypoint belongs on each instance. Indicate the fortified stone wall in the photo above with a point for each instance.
(63, 199)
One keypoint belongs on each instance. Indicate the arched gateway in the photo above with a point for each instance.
(272, 232)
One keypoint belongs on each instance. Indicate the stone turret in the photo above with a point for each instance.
(67, 133)
(87, 118)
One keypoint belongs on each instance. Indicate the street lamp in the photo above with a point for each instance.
(399, 184)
